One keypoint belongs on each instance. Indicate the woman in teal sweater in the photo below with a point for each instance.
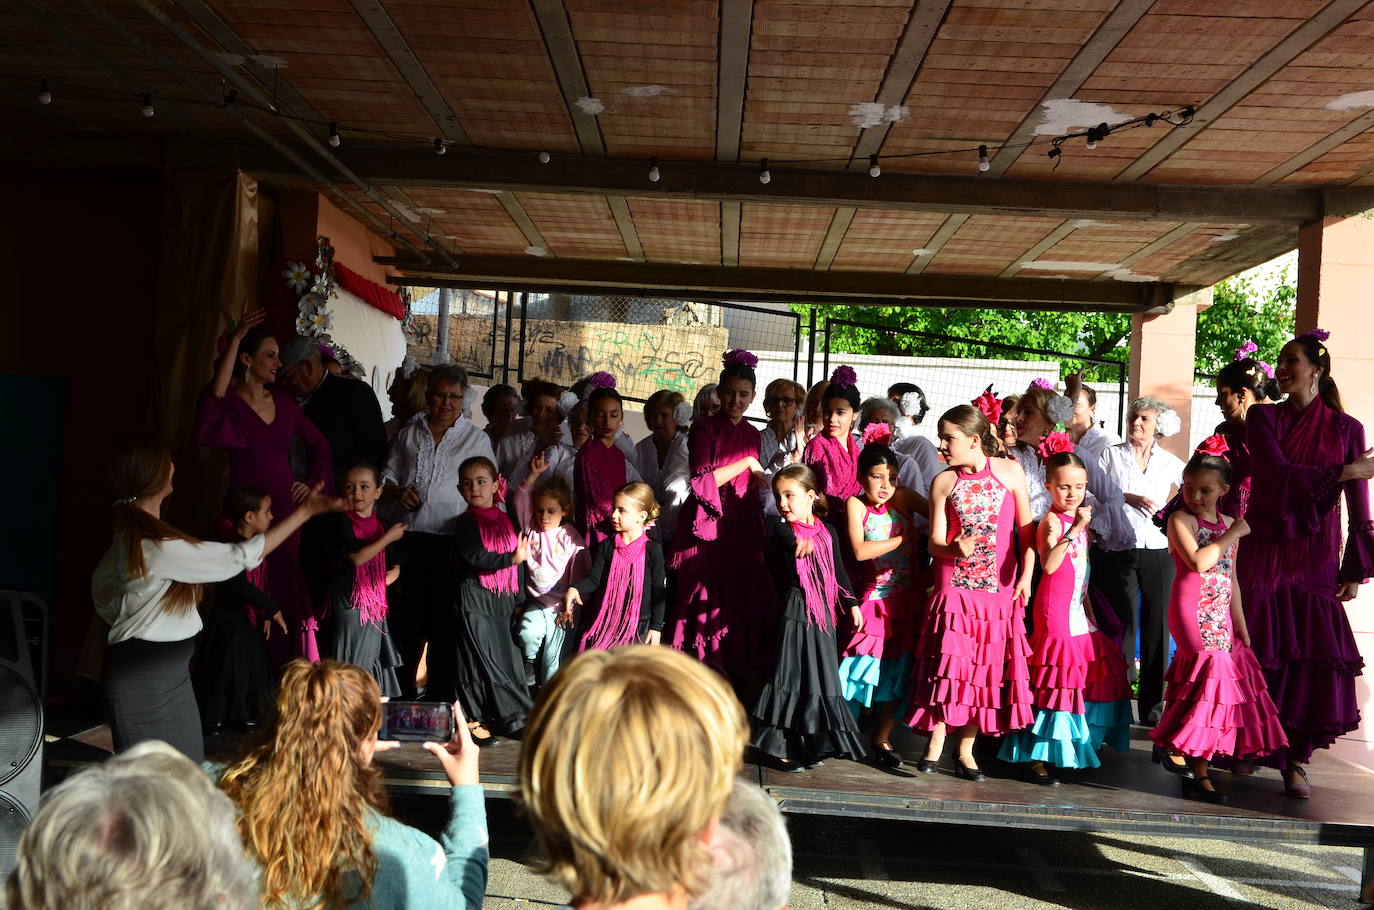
(313, 813)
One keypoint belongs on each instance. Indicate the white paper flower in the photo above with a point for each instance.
(302, 325)
(682, 414)
(566, 403)
(297, 276)
(1059, 409)
(1168, 423)
(408, 366)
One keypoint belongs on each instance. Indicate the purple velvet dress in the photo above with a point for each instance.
(725, 610)
(260, 455)
(1290, 567)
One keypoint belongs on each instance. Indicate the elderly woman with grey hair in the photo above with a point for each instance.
(751, 855)
(147, 829)
(1137, 567)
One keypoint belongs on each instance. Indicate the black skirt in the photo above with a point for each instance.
(233, 681)
(486, 666)
(148, 695)
(366, 645)
(801, 714)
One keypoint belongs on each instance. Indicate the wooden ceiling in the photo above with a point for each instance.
(1283, 133)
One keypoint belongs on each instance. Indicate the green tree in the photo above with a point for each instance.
(1246, 309)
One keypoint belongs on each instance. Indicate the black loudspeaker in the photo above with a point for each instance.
(21, 717)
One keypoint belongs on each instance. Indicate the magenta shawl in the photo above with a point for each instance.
(369, 579)
(621, 601)
(816, 571)
(598, 471)
(498, 536)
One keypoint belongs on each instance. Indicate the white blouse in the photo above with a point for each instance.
(675, 482)
(1164, 472)
(133, 606)
(432, 470)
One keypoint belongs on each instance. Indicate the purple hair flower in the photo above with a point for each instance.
(1245, 350)
(1042, 383)
(601, 380)
(326, 351)
(1316, 334)
(844, 377)
(740, 357)
(1268, 370)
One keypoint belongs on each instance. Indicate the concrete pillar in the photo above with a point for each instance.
(1335, 273)
(1163, 350)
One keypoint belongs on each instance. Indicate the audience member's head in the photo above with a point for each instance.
(144, 831)
(752, 855)
(302, 367)
(304, 790)
(627, 764)
(446, 390)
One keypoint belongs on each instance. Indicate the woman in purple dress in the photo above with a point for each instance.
(256, 426)
(725, 613)
(1304, 454)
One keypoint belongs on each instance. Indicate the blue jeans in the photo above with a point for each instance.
(541, 643)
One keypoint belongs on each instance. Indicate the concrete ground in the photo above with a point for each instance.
(859, 863)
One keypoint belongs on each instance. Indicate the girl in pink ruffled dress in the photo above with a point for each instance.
(1216, 701)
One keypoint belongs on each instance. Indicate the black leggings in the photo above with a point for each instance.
(1146, 577)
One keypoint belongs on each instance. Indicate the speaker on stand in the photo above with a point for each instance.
(21, 716)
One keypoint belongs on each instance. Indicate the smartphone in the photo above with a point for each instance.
(417, 721)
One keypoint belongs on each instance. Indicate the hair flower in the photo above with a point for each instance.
(601, 380)
(567, 403)
(1168, 423)
(1041, 382)
(682, 414)
(1245, 350)
(740, 357)
(1059, 409)
(1054, 443)
(1268, 370)
(844, 377)
(1214, 445)
(878, 433)
(990, 405)
(325, 351)
(408, 366)
(1316, 335)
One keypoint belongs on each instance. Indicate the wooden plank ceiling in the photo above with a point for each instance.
(1283, 89)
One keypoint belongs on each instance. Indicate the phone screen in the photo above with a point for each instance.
(417, 721)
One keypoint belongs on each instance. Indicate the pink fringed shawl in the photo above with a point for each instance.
(817, 573)
(369, 579)
(498, 536)
(621, 602)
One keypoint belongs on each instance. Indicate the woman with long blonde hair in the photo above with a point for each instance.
(148, 586)
(313, 814)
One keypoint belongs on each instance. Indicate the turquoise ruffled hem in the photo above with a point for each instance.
(1110, 723)
(867, 680)
(1056, 738)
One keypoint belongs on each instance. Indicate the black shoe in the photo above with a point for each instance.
(1166, 761)
(926, 766)
(964, 772)
(1193, 789)
(1035, 773)
(887, 757)
(485, 742)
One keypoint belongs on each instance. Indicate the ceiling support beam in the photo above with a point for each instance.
(1314, 151)
(772, 283)
(1178, 233)
(736, 30)
(1045, 243)
(947, 229)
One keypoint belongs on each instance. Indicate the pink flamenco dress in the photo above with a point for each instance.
(1107, 694)
(971, 661)
(1061, 653)
(1216, 702)
(875, 666)
(725, 613)
(260, 455)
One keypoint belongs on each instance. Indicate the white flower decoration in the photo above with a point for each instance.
(408, 366)
(1059, 409)
(302, 325)
(297, 276)
(566, 403)
(682, 414)
(910, 404)
(1168, 423)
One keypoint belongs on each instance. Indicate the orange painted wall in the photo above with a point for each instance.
(354, 244)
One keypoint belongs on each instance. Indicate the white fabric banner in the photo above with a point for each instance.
(372, 337)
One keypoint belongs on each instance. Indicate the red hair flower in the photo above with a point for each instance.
(990, 405)
(1214, 445)
(878, 433)
(1054, 443)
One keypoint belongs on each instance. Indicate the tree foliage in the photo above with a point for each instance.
(1242, 309)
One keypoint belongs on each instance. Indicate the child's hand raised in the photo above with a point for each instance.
(522, 549)
(1082, 517)
(538, 465)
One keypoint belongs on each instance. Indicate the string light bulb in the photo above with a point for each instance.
(545, 157)
(334, 140)
(654, 175)
(148, 109)
(764, 176)
(44, 94)
(439, 147)
(983, 161)
(873, 169)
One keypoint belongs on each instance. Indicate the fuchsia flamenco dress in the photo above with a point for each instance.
(1215, 703)
(971, 663)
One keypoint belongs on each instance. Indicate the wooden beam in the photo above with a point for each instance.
(1340, 137)
(384, 30)
(625, 223)
(1063, 230)
(1178, 233)
(729, 232)
(530, 272)
(533, 236)
(736, 26)
(1222, 260)
(892, 192)
(947, 229)
(567, 69)
(1302, 38)
(1084, 63)
(921, 26)
(834, 236)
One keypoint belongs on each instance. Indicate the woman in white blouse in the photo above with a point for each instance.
(148, 587)
(421, 477)
(1137, 567)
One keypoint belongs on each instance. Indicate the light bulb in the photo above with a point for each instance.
(334, 139)
(873, 169)
(148, 110)
(983, 163)
(654, 175)
(44, 96)
(764, 177)
(439, 147)
(545, 157)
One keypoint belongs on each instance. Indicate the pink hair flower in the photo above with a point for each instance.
(844, 377)
(740, 357)
(1316, 334)
(1266, 368)
(1054, 443)
(1042, 383)
(601, 380)
(1245, 350)
(878, 433)
(1214, 445)
(990, 405)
